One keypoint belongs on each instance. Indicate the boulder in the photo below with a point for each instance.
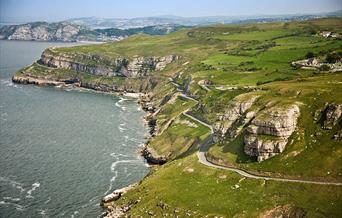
(333, 114)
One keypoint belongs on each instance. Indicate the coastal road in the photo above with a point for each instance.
(201, 154)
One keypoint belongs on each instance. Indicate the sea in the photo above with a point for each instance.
(62, 150)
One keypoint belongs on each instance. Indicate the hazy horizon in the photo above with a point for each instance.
(38, 10)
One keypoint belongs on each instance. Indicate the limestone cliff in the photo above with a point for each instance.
(136, 66)
(268, 133)
(236, 113)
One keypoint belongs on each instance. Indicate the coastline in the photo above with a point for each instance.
(143, 100)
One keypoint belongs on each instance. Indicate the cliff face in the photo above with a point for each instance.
(235, 116)
(132, 86)
(268, 133)
(97, 65)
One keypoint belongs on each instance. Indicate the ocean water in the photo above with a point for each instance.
(61, 150)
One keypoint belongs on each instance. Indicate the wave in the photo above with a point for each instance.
(74, 213)
(43, 212)
(118, 104)
(11, 198)
(34, 187)
(112, 167)
(8, 83)
(121, 129)
(119, 155)
(17, 206)
(48, 200)
(13, 183)
(111, 183)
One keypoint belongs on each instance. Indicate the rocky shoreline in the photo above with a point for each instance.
(149, 155)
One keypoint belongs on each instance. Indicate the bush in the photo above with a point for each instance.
(333, 58)
(310, 55)
(324, 67)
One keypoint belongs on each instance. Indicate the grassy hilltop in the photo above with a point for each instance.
(216, 66)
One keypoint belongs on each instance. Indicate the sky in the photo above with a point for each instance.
(53, 10)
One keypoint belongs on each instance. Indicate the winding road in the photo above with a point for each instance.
(201, 154)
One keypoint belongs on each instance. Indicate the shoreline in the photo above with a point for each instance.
(142, 99)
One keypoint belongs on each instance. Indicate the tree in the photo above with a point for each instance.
(333, 58)
(310, 55)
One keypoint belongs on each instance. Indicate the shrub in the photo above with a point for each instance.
(324, 67)
(333, 58)
(310, 55)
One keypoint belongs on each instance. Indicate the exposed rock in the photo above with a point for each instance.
(269, 132)
(119, 211)
(333, 114)
(263, 148)
(131, 86)
(338, 136)
(151, 156)
(276, 121)
(162, 205)
(285, 211)
(235, 110)
(205, 82)
(135, 67)
(36, 81)
(314, 63)
(115, 195)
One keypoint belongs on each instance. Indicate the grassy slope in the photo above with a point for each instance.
(235, 56)
(196, 190)
(313, 153)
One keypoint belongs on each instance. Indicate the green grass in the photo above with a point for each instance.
(179, 137)
(195, 190)
(310, 155)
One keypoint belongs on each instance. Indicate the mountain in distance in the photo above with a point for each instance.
(123, 23)
(113, 29)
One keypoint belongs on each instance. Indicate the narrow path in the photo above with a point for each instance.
(201, 154)
(200, 121)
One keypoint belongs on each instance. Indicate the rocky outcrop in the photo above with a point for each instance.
(105, 66)
(262, 147)
(268, 133)
(275, 121)
(130, 86)
(236, 113)
(151, 157)
(333, 114)
(338, 136)
(284, 211)
(36, 81)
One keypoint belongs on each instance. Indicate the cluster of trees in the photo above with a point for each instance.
(331, 58)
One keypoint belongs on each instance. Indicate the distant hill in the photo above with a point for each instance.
(111, 29)
(70, 32)
(121, 23)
